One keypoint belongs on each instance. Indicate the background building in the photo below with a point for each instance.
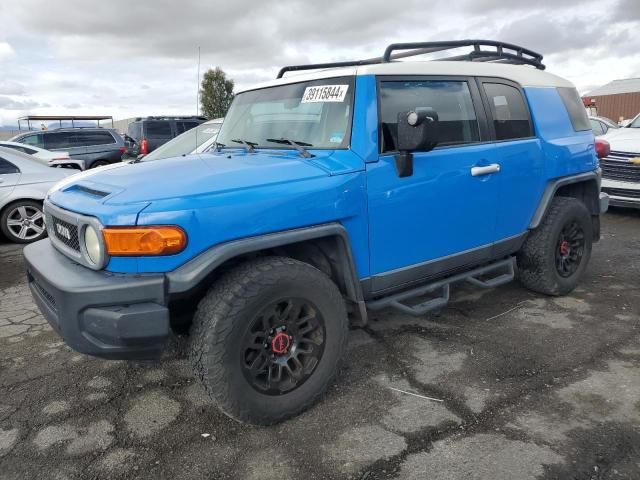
(620, 98)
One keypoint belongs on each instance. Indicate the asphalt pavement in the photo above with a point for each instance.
(502, 384)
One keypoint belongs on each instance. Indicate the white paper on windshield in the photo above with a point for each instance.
(324, 93)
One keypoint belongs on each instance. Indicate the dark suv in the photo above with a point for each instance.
(96, 146)
(151, 132)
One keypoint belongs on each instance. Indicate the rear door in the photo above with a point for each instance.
(157, 132)
(64, 141)
(442, 217)
(9, 176)
(519, 154)
(99, 145)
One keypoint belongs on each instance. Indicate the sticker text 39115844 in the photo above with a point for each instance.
(324, 93)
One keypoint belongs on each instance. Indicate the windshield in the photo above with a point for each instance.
(635, 123)
(185, 143)
(314, 114)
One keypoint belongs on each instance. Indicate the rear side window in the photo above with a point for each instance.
(508, 111)
(59, 140)
(450, 99)
(88, 139)
(157, 129)
(575, 108)
(7, 167)
(182, 127)
(597, 127)
(35, 140)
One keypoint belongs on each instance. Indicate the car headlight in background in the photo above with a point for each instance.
(92, 245)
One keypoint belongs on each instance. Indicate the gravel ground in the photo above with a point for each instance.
(507, 384)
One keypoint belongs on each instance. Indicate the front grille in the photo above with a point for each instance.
(618, 166)
(622, 192)
(66, 232)
(46, 295)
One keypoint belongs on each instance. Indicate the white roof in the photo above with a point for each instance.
(625, 85)
(523, 75)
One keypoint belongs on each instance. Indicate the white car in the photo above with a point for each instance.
(53, 159)
(621, 168)
(24, 182)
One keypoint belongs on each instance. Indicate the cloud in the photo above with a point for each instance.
(10, 104)
(6, 50)
(627, 11)
(10, 87)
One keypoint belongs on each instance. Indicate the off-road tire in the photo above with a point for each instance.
(223, 317)
(536, 260)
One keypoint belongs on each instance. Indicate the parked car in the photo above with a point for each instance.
(96, 146)
(52, 159)
(151, 132)
(196, 140)
(24, 182)
(601, 125)
(621, 168)
(333, 192)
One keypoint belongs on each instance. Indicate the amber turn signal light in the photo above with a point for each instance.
(140, 241)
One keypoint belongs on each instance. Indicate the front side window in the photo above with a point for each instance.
(452, 101)
(509, 112)
(7, 167)
(35, 140)
(314, 114)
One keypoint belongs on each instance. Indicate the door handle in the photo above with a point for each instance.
(478, 171)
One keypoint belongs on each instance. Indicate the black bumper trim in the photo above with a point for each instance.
(96, 312)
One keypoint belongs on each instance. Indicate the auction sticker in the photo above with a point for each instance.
(324, 93)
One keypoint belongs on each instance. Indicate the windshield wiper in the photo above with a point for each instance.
(248, 145)
(299, 146)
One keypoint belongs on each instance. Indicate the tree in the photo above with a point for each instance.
(216, 93)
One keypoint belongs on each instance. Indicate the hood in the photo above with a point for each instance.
(189, 176)
(624, 140)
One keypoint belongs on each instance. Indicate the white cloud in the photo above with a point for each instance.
(6, 50)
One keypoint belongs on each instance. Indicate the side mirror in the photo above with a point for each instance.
(418, 130)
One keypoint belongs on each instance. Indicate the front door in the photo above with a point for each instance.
(443, 216)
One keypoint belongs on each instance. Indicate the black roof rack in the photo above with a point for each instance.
(483, 51)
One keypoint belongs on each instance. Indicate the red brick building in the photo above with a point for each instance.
(620, 98)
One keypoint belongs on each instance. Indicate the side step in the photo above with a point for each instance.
(471, 276)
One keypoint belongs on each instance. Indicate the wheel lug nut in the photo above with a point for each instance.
(284, 328)
(272, 331)
(266, 345)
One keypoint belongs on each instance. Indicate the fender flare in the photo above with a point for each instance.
(553, 186)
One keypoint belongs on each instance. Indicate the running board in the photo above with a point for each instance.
(471, 276)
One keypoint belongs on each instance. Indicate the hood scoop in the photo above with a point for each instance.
(94, 192)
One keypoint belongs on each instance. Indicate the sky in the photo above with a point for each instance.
(132, 58)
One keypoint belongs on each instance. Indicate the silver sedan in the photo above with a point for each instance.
(24, 182)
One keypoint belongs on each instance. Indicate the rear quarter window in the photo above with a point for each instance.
(575, 108)
(7, 167)
(157, 129)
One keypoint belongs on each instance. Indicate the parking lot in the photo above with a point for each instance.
(503, 384)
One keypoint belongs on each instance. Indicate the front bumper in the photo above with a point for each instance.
(622, 194)
(99, 313)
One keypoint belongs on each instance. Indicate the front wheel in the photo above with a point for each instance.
(23, 222)
(268, 338)
(555, 255)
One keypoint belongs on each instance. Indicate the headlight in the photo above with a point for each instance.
(92, 244)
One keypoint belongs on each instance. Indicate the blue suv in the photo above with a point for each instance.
(352, 187)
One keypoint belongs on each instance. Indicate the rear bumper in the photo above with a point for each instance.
(96, 312)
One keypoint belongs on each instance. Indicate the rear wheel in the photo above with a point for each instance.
(23, 222)
(555, 255)
(268, 338)
(99, 163)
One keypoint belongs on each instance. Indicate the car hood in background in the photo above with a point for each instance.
(624, 140)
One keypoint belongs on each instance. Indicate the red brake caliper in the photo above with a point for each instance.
(564, 248)
(281, 343)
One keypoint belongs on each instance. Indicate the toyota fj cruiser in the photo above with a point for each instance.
(357, 186)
